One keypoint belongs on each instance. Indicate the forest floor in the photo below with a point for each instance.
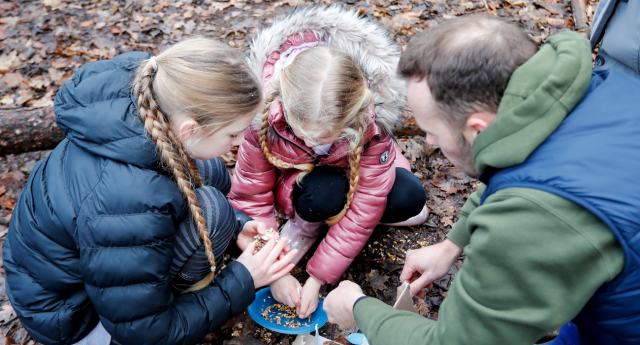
(43, 43)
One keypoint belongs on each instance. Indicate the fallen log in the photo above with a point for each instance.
(578, 7)
(33, 129)
(28, 129)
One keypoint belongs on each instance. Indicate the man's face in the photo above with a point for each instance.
(439, 133)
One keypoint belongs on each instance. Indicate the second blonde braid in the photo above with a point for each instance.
(156, 125)
(355, 153)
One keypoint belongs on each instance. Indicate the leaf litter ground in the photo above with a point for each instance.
(43, 43)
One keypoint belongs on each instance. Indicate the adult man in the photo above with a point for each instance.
(553, 234)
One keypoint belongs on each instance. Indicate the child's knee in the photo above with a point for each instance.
(214, 173)
(321, 194)
(216, 210)
(407, 192)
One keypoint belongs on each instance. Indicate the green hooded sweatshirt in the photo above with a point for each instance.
(534, 259)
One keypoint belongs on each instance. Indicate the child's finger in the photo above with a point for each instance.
(283, 272)
(285, 260)
(266, 250)
(261, 228)
(273, 254)
(250, 249)
(290, 302)
(295, 298)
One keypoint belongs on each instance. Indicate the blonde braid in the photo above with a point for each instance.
(355, 153)
(156, 125)
(266, 150)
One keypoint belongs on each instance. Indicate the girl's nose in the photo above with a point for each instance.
(238, 140)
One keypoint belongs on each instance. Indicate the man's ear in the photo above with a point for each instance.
(188, 129)
(476, 123)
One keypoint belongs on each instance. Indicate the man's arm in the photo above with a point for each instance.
(533, 261)
(460, 233)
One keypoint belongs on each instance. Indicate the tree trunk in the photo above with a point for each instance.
(28, 129)
(578, 7)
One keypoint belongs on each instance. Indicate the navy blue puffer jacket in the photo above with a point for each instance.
(91, 238)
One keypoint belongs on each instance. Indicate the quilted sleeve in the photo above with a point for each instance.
(253, 181)
(125, 237)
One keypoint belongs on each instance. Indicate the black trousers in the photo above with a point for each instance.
(323, 193)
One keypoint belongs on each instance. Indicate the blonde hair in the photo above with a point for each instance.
(207, 81)
(322, 88)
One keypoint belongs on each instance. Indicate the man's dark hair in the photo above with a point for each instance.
(467, 62)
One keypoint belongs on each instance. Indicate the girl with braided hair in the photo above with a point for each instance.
(119, 234)
(321, 151)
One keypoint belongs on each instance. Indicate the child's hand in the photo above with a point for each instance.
(309, 298)
(425, 265)
(248, 233)
(262, 266)
(287, 290)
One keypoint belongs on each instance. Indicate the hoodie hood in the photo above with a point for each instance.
(96, 111)
(540, 94)
(370, 45)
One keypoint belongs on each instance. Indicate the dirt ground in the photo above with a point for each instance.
(43, 43)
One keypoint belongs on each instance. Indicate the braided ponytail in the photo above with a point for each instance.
(356, 146)
(173, 156)
(264, 145)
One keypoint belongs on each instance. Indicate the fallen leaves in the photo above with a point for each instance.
(555, 21)
(376, 281)
(9, 61)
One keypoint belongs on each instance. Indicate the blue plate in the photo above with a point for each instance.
(264, 299)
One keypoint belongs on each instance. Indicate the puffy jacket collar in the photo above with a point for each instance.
(96, 110)
(370, 45)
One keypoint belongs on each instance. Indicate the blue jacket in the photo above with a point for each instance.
(593, 159)
(616, 27)
(91, 237)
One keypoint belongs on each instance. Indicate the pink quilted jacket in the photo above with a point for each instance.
(259, 189)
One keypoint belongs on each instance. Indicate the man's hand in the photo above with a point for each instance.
(309, 298)
(425, 265)
(339, 304)
(287, 290)
(248, 233)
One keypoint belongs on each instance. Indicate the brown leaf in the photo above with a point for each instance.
(24, 95)
(9, 61)
(60, 63)
(86, 24)
(423, 307)
(377, 281)
(45, 101)
(555, 21)
(7, 203)
(3, 189)
(7, 100)
(447, 221)
(143, 20)
(57, 76)
(39, 82)
(11, 79)
(221, 6)
(115, 31)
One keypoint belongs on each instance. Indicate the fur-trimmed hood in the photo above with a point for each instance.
(369, 44)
